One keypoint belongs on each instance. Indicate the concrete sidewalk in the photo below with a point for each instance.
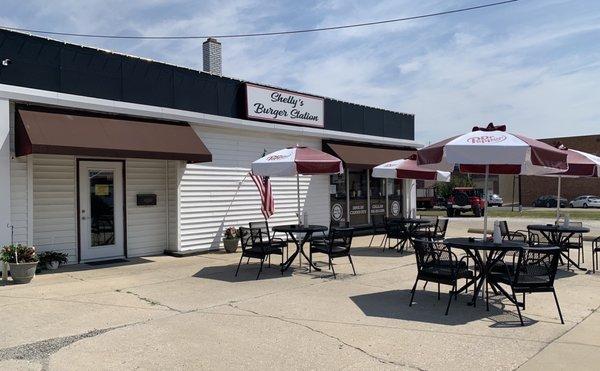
(189, 313)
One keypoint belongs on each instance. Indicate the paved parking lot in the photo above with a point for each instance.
(189, 313)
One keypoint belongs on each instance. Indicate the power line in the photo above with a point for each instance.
(275, 33)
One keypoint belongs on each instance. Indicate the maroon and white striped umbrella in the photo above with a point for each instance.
(496, 150)
(295, 161)
(493, 150)
(408, 169)
(581, 164)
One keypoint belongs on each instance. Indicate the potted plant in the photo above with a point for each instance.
(22, 261)
(51, 260)
(231, 239)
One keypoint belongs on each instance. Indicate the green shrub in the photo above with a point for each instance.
(18, 254)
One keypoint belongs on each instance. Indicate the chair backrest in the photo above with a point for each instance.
(441, 227)
(576, 224)
(263, 226)
(504, 231)
(341, 237)
(250, 237)
(536, 267)
(339, 224)
(429, 253)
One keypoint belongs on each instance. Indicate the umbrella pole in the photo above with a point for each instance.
(298, 191)
(485, 202)
(558, 200)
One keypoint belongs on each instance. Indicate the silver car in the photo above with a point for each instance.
(585, 201)
(494, 200)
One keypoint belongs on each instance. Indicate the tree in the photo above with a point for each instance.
(444, 189)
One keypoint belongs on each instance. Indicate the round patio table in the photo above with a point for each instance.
(475, 249)
(410, 225)
(559, 235)
(294, 231)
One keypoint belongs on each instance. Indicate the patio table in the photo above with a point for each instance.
(474, 247)
(411, 225)
(559, 235)
(294, 231)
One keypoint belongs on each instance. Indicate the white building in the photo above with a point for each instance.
(109, 156)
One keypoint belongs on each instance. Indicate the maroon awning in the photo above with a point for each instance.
(86, 134)
(356, 156)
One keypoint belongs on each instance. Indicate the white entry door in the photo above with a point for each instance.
(101, 210)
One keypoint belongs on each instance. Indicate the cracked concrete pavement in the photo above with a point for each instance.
(189, 313)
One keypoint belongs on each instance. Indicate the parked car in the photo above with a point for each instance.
(465, 199)
(585, 201)
(549, 201)
(495, 200)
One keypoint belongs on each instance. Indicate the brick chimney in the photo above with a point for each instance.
(211, 56)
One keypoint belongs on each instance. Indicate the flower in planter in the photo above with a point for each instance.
(231, 233)
(18, 254)
(47, 257)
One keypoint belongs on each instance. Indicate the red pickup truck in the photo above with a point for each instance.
(464, 200)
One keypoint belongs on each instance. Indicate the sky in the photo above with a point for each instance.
(533, 65)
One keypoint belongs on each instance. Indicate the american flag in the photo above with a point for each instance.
(266, 194)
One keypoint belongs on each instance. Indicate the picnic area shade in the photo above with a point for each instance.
(409, 169)
(581, 164)
(492, 149)
(295, 161)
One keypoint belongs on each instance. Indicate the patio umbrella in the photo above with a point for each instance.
(409, 169)
(492, 150)
(581, 164)
(295, 161)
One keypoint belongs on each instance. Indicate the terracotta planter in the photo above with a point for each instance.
(22, 272)
(231, 244)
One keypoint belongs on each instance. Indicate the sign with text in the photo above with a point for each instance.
(270, 104)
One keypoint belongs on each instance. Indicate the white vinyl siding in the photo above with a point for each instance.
(54, 204)
(146, 225)
(173, 184)
(207, 190)
(18, 199)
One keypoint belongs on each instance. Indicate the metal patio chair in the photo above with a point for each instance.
(437, 263)
(336, 246)
(534, 271)
(255, 245)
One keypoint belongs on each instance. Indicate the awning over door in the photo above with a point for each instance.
(49, 132)
(365, 157)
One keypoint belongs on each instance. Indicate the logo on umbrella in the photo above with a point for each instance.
(277, 157)
(485, 139)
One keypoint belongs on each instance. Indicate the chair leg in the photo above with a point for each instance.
(262, 261)
(282, 262)
(487, 297)
(372, 237)
(438, 291)
(412, 292)
(523, 301)
(269, 261)
(352, 264)
(452, 292)
(332, 269)
(425, 285)
(310, 262)
(558, 307)
(238, 267)
(248, 261)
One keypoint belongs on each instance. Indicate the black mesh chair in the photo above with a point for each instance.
(274, 241)
(437, 263)
(336, 246)
(437, 232)
(397, 231)
(256, 245)
(507, 234)
(595, 251)
(575, 243)
(378, 223)
(534, 271)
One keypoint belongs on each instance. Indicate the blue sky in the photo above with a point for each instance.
(534, 64)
